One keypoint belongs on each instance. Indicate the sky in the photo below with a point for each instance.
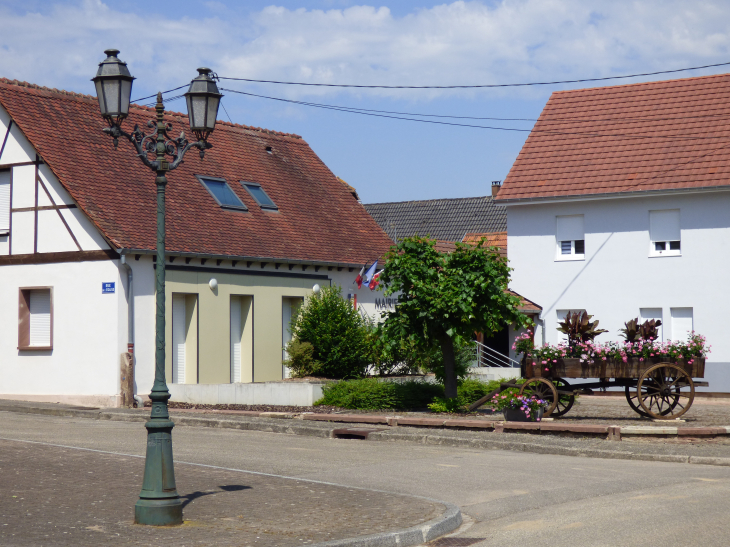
(396, 43)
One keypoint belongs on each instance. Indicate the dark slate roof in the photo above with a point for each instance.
(444, 219)
(318, 219)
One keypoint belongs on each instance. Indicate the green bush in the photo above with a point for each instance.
(301, 361)
(469, 391)
(372, 394)
(337, 333)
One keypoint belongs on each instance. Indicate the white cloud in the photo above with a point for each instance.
(457, 43)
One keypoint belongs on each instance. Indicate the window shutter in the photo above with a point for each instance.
(236, 334)
(40, 317)
(570, 228)
(681, 323)
(4, 201)
(664, 225)
(178, 338)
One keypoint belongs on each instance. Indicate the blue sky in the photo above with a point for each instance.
(59, 44)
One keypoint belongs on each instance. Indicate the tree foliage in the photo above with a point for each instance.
(329, 338)
(445, 298)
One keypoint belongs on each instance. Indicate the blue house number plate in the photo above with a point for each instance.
(108, 287)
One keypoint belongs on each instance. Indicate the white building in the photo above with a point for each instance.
(619, 204)
(261, 214)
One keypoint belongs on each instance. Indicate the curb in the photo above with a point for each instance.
(414, 432)
(449, 521)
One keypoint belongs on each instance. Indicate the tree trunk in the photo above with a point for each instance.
(447, 347)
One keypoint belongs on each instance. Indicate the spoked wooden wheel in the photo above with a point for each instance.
(632, 397)
(544, 389)
(565, 402)
(665, 391)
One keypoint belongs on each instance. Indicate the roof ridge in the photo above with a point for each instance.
(653, 82)
(75, 95)
(425, 200)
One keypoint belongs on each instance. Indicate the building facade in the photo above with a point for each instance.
(251, 230)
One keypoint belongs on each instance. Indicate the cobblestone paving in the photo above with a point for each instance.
(58, 496)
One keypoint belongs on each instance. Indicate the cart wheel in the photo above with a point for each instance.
(633, 400)
(665, 391)
(632, 397)
(542, 388)
(565, 402)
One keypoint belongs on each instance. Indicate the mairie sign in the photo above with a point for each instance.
(385, 303)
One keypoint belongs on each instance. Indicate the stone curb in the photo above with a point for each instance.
(448, 521)
(323, 429)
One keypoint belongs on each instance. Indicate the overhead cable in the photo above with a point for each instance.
(582, 80)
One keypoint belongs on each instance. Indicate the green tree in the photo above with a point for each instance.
(329, 338)
(446, 297)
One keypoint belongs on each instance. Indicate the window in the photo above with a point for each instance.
(681, 323)
(261, 197)
(570, 237)
(289, 309)
(222, 193)
(664, 233)
(4, 202)
(647, 314)
(241, 339)
(35, 318)
(184, 338)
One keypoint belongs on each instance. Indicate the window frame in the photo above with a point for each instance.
(668, 251)
(202, 178)
(266, 207)
(573, 255)
(24, 319)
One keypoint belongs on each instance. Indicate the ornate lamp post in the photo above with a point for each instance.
(159, 503)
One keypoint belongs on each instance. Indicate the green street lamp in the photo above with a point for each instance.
(159, 503)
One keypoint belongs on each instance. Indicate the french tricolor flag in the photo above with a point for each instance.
(358, 279)
(374, 282)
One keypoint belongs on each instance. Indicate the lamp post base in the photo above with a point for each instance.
(165, 512)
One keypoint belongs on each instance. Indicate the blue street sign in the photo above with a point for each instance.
(108, 287)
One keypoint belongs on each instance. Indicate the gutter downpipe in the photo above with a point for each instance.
(130, 314)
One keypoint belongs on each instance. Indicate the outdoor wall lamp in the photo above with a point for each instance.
(159, 503)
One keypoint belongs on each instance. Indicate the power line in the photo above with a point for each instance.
(545, 131)
(477, 86)
(155, 95)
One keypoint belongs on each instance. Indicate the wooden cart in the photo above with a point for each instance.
(654, 388)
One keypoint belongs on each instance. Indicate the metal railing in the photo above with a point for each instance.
(488, 357)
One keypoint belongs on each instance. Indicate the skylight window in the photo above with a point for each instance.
(261, 197)
(222, 193)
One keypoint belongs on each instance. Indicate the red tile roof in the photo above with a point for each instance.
(492, 239)
(654, 136)
(318, 219)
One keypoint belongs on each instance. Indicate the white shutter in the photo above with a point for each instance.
(40, 317)
(4, 201)
(681, 323)
(236, 335)
(570, 228)
(653, 313)
(664, 225)
(178, 339)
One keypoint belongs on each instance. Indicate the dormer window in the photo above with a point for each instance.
(222, 193)
(261, 197)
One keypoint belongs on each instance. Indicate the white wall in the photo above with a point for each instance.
(617, 277)
(87, 337)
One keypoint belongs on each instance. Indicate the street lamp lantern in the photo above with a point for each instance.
(113, 88)
(203, 99)
(159, 503)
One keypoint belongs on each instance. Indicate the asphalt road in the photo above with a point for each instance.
(508, 498)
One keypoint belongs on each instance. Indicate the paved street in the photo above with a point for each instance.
(508, 498)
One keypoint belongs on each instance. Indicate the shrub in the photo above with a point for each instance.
(301, 361)
(372, 394)
(337, 333)
(468, 392)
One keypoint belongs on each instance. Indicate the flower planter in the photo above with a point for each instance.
(633, 368)
(518, 415)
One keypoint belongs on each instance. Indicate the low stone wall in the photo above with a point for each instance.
(486, 374)
(264, 393)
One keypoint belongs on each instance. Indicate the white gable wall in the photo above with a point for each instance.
(618, 278)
